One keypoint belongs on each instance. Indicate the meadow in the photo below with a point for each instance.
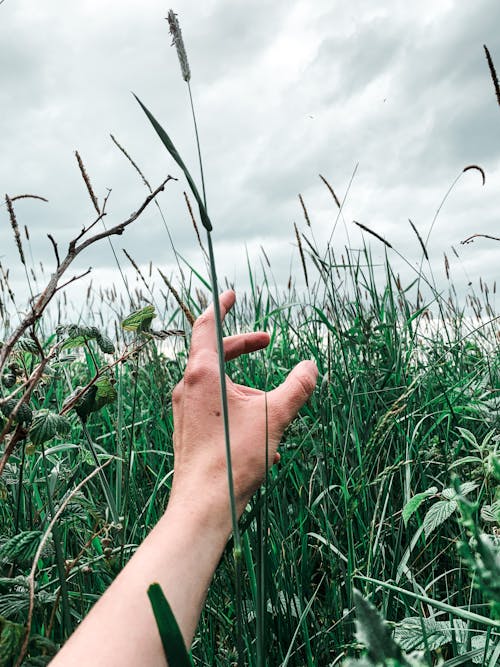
(386, 496)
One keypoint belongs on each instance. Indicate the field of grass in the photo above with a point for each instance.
(408, 397)
(387, 490)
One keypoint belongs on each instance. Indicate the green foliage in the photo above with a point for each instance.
(21, 548)
(374, 634)
(139, 320)
(171, 637)
(24, 413)
(77, 336)
(46, 425)
(11, 636)
(414, 503)
(101, 393)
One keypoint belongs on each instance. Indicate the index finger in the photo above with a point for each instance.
(204, 332)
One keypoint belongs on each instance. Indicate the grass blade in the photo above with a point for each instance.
(171, 637)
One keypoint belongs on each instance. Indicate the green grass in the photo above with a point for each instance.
(385, 423)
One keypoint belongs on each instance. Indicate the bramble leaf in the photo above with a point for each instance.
(140, 320)
(438, 514)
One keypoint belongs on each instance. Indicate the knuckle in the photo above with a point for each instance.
(177, 393)
(199, 369)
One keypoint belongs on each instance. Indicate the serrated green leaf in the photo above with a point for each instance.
(491, 512)
(414, 503)
(465, 488)
(479, 642)
(75, 341)
(27, 345)
(86, 403)
(410, 633)
(466, 459)
(106, 344)
(373, 632)
(24, 414)
(437, 514)
(140, 320)
(11, 635)
(171, 637)
(46, 425)
(106, 392)
(101, 393)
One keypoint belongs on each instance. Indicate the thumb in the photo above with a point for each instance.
(287, 399)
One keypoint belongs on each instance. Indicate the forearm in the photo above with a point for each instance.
(181, 554)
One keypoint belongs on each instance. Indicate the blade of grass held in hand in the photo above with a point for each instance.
(171, 637)
(167, 142)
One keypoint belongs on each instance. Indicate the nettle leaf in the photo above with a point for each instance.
(464, 489)
(140, 320)
(373, 632)
(414, 503)
(410, 633)
(491, 512)
(438, 514)
(46, 425)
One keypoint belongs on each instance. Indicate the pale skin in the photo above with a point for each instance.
(182, 552)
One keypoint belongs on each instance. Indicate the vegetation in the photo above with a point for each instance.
(386, 497)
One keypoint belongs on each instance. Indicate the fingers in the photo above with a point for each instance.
(287, 399)
(235, 346)
(203, 336)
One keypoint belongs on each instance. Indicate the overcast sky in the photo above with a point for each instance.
(284, 91)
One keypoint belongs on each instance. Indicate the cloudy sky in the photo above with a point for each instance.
(284, 91)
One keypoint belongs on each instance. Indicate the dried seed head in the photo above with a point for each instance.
(15, 228)
(178, 42)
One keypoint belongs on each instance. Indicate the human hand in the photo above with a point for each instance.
(200, 470)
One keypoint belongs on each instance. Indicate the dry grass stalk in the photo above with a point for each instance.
(420, 240)
(135, 166)
(86, 179)
(446, 266)
(265, 257)
(370, 231)
(493, 73)
(302, 258)
(15, 228)
(189, 315)
(477, 168)
(332, 192)
(191, 214)
(29, 197)
(306, 214)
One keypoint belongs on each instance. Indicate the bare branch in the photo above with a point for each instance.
(56, 251)
(74, 249)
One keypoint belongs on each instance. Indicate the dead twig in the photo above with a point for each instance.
(74, 249)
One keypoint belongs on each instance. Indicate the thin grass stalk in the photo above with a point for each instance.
(237, 552)
(61, 570)
(128, 469)
(104, 483)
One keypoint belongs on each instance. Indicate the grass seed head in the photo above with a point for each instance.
(178, 42)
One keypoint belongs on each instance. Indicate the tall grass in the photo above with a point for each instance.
(366, 496)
